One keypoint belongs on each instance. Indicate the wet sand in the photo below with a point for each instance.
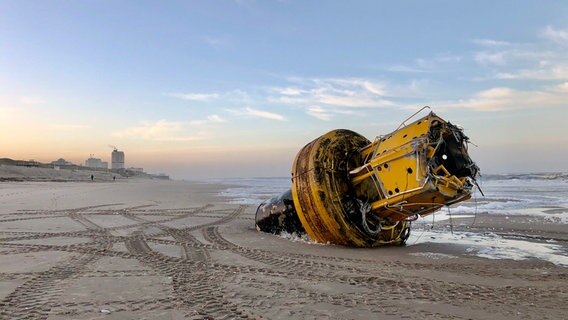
(175, 250)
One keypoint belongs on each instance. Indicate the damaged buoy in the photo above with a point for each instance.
(350, 191)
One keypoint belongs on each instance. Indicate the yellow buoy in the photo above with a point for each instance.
(350, 191)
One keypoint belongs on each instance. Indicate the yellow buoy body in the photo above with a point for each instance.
(349, 191)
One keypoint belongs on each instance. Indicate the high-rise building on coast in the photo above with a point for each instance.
(117, 159)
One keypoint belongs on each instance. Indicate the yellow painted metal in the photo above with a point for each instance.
(398, 167)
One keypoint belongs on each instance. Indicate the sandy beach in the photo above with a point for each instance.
(147, 249)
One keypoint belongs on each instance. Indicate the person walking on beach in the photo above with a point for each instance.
(92, 177)
(113, 178)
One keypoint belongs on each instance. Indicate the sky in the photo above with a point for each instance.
(234, 88)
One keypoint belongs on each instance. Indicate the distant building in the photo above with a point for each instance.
(29, 163)
(161, 176)
(137, 170)
(96, 163)
(61, 163)
(117, 160)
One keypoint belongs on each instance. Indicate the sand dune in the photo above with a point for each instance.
(22, 173)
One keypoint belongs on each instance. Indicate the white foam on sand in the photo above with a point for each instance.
(434, 255)
(558, 216)
(493, 246)
(440, 216)
(486, 245)
(298, 237)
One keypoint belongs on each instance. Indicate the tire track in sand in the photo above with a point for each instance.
(35, 298)
(195, 285)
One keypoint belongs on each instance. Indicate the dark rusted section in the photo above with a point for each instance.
(278, 214)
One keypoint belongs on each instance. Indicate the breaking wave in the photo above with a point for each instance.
(528, 176)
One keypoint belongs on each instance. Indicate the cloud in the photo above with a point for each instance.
(210, 119)
(289, 91)
(264, 114)
(411, 89)
(320, 113)
(406, 69)
(504, 99)
(218, 42)
(517, 55)
(490, 43)
(501, 53)
(326, 114)
(373, 88)
(563, 87)
(422, 65)
(488, 58)
(554, 72)
(203, 97)
(447, 58)
(161, 130)
(31, 101)
(556, 35)
(332, 92)
(236, 96)
(352, 100)
(215, 118)
(526, 61)
(250, 112)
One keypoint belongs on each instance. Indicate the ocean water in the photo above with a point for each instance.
(540, 195)
(253, 191)
(543, 195)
